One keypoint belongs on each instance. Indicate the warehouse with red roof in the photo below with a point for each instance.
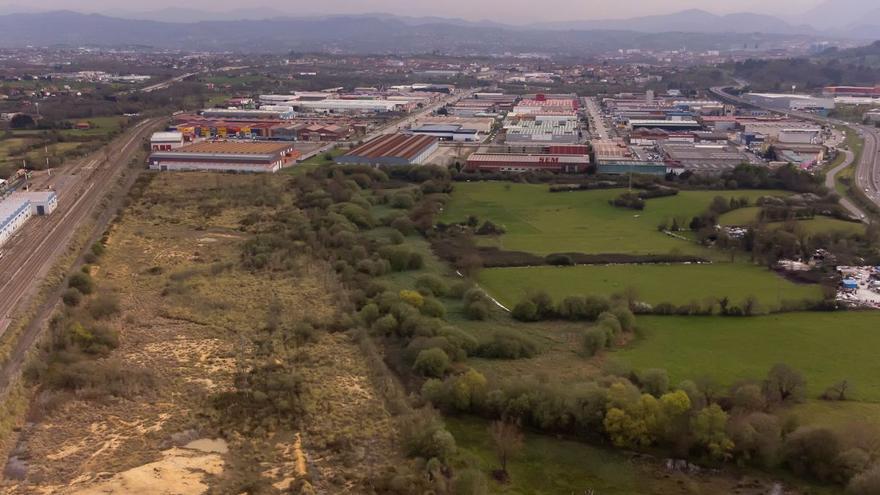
(392, 149)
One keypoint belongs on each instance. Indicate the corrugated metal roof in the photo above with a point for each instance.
(394, 145)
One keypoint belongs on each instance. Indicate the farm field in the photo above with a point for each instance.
(551, 466)
(676, 284)
(542, 222)
(825, 347)
(54, 149)
(101, 127)
(745, 216)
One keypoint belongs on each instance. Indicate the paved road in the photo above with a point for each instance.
(81, 186)
(867, 170)
(831, 181)
(598, 127)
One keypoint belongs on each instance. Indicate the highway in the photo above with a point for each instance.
(31, 253)
(173, 80)
(867, 170)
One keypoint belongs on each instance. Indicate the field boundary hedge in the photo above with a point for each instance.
(456, 247)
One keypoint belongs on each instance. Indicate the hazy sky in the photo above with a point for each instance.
(523, 11)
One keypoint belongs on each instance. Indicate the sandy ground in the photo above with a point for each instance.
(192, 341)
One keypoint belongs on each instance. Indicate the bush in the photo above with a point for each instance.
(595, 340)
(81, 282)
(573, 308)
(369, 314)
(396, 238)
(424, 436)
(543, 304)
(71, 297)
(654, 381)
(433, 308)
(103, 306)
(505, 345)
(385, 325)
(596, 305)
(98, 249)
(625, 317)
(628, 200)
(404, 225)
(431, 363)
(559, 260)
(402, 200)
(412, 298)
(401, 258)
(525, 311)
(811, 451)
(96, 339)
(609, 323)
(432, 285)
(477, 310)
(866, 483)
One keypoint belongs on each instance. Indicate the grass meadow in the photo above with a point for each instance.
(542, 222)
(825, 347)
(746, 216)
(549, 465)
(676, 284)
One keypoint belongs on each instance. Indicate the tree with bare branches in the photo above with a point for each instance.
(508, 442)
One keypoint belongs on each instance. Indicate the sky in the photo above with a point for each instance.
(517, 11)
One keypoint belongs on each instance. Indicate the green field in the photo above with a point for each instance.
(746, 216)
(677, 284)
(825, 347)
(8, 146)
(101, 127)
(542, 222)
(56, 149)
(552, 466)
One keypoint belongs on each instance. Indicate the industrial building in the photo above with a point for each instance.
(561, 129)
(483, 125)
(392, 149)
(666, 125)
(702, 158)
(447, 132)
(796, 102)
(164, 141)
(615, 157)
(518, 163)
(354, 106)
(238, 113)
(227, 156)
(18, 207)
(868, 91)
(808, 135)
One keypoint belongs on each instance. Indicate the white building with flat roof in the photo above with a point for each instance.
(164, 141)
(17, 208)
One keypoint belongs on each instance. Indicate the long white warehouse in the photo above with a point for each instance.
(18, 207)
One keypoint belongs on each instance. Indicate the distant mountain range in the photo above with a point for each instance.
(691, 21)
(383, 33)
